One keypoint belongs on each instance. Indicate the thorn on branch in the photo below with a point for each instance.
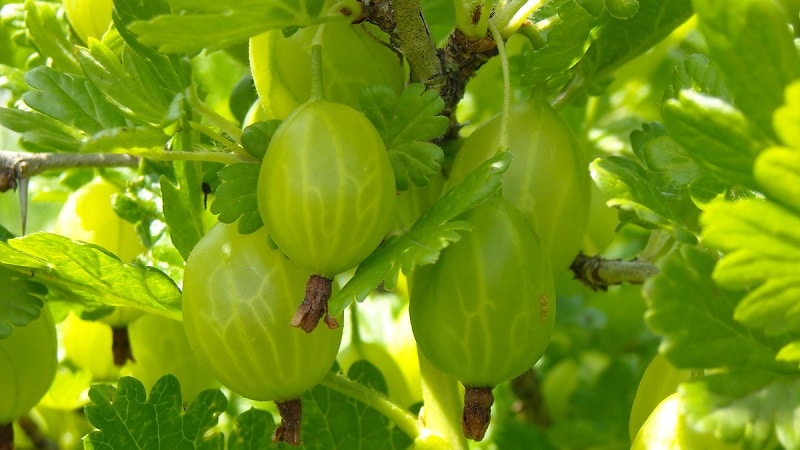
(599, 273)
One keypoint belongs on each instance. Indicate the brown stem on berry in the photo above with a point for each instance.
(477, 411)
(288, 431)
(315, 305)
(7, 436)
(121, 346)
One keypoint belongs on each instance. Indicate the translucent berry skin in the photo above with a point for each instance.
(28, 361)
(485, 310)
(326, 189)
(238, 299)
(548, 179)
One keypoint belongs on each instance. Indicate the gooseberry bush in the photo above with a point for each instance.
(399, 224)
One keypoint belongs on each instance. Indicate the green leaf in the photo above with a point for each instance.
(787, 117)
(758, 408)
(194, 26)
(237, 197)
(567, 41)
(762, 244)
(332, 420)
(126, 139)
(48, 35)
(20, 301)
(123, 83)
(71, 99)
(183, 206)
(430, 234)
(252, 430)
(777, 171)
(696, 317)
(697, 73)
(715, 134)
(622, 9)
(126, 418)
(40, 133)
(751, 43)
(168, 72)
(657, 190)
(256, 137)
(407, 125)
(81, 273)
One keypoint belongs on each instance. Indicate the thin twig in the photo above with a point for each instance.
(599, 273)
(19, 165)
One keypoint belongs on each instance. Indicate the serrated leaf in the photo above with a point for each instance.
(715, 134)
(125, 139)
(697, 73)
(758, 408)
(46, 32)
(40, 133)
(252, 430)
(628, 186)
(407, 125)
(236, 197)
(122, 83)
(787, 117)
(762, 244)
(127, 418)
(332, 420)
(695, 317)
(20, 301)
(432, 229)
(194, 26)
(751, 43)
(81, 273)
(777, 171)
(71, 99)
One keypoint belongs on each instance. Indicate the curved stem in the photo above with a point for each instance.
(406, 421)
(317, 91)
(443, 404)
(216, 137)
(214, 117)
(501, 50)
(220, 157)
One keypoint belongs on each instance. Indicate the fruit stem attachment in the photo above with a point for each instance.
(317, 92)
(7, 436)
(288, 431)
(315, 305)
(477, 411)
(501, 51)
(121, 345)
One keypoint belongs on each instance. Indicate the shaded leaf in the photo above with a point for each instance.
(695, 317)
(71, 99)
(758, 408)
(237, 197)
(751, 43)
(715, 134)
(20, 301)
(407, 125)
(127, 418)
